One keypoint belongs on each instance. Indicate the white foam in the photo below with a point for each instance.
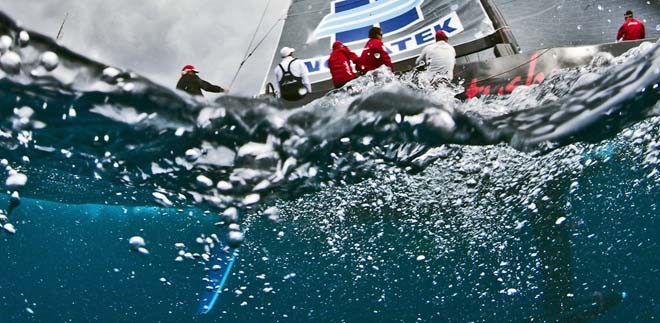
(209, 113)
(255, 149)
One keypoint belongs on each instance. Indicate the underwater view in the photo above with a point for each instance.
(390, 200)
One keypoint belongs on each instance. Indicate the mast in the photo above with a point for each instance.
(508, 45)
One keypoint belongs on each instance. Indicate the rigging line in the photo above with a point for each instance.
(59, 32)
(247, 50)
(256, 30)
(258, 44)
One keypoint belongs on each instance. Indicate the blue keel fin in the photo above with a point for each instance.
(223, 260)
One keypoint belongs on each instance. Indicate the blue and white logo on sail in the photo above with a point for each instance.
(350, 20)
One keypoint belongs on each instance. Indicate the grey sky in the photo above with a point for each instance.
(156, 38)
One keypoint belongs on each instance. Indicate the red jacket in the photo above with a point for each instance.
(340, 63)
(632, 29)
(373, 56)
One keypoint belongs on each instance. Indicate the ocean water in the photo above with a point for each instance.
(389, 202)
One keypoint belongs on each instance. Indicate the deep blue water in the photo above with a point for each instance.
(396, 204)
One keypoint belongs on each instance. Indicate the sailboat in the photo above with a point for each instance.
(489, 60)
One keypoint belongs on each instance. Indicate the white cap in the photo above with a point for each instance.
(286, 51)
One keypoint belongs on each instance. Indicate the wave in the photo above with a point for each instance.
(417, 197)
(104, 129)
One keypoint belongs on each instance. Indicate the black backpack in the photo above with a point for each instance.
(291, 86)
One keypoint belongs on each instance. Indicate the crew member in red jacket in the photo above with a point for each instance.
(632, 28)
(374, 54)
(340, 64)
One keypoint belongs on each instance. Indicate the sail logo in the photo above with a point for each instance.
(350, 20)
(415, 40)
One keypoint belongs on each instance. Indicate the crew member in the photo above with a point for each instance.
(340, 64)
(193, 84)
(374, 54)
(632, 28)
(292, 82)
(439, 59)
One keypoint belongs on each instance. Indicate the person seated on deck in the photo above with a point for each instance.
(374, 54)
(340, 64)
(193, 84)
(632, 28)
(292, 82)
(439, 59)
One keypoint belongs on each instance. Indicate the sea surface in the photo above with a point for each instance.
(390, 201)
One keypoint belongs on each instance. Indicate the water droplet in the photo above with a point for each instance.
(235, 238)
(10, 62)
(49, 60)
(9, 228)
(136, 241)
(204, 181)
(5, 43)
(251, 199)
(23, 37)
(16, 180)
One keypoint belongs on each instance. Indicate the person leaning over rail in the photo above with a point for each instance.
(340, 64)
(292, 82)
(193, 84)
(631, 29)
(439, 59)
(374, 54)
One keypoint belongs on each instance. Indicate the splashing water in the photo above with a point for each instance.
(389, 199)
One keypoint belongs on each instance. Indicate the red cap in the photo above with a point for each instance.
(440, 35)
(337, 44)
(189, 68)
